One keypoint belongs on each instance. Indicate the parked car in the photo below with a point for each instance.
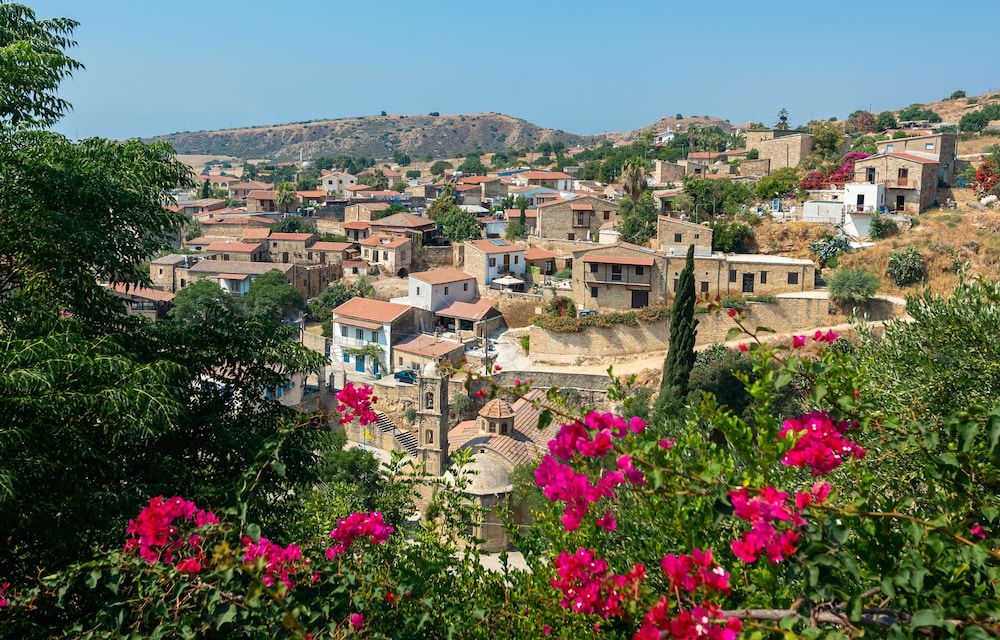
(409, 376)
(587, 312)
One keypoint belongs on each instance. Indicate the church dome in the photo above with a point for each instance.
(497, 409)
(430, 370)
(487, 477)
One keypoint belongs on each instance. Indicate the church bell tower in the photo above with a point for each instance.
(432, 419)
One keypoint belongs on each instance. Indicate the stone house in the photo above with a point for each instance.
(532, 193)
(416, 351)
(234, 227)
(324, 252)
(491, 187)
(552, 179)
(530, 218)
(201, 206)
(665, 173)
(240, 190)
(674, 236)
(201, 243)
(262, 201)
(911, 180)
(781, 148)
(364, 211)
(290, 247)
(942, 147)
(360, 322)
(577, 219)
(357, 230)
(392, 254)
(437, 288)
(238, 251)
(234, 277)
(489, 259)
(169, 272)
(758, 274)
(541, 261)
(406, 225)
(143, 301)
(468, 194)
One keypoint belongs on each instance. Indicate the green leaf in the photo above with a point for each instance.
(253, 531)
(927, 618)
(228, 614)
(93, 577)
(544, 419)
(763, 329)
(279, 467)
(733, 333)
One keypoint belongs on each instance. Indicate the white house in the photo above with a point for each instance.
(862, 197)
(335, 182)
(490, 258)
(437, 288)
(361, 322)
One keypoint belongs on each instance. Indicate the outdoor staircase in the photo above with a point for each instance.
(405, 439)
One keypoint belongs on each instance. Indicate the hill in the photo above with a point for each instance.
(668, 122)
(374, 137)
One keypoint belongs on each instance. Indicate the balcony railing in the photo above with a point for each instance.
(902, 183)
(607, 277)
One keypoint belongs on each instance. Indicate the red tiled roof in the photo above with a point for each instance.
(371, 310)
(311, 194)
(442, 276)
(291, 236)
(330, 246)
(262, 194)
(255, 234)
(142, 292)
(403, 220)
(373, 206)
(639, 262)
(358, 187)
(380, 241)
(428, 346)
(902, 155)
(544, 175)
(466, 187)
(232, 276)
(473, 311)
(357, 224)
(514, 214)
(537, 253)
(251, 185)
(580, 206)
(491, 246)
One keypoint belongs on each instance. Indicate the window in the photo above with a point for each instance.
(347, 358)
(465, 286)
(429, 401)
(763, 277)
(593, 292)
(516, 258)
(343, 330)
(418, 291)
(678, 237)
(638, 271)
(446, 291)
(493, 262)
(503, 427)
(616, 272)
(492, 428)
(309, 256)
(697, 236)
(929, 146)
(704, 286)
(888, 148)
(793, 278)
(676, 282)
(400, 360)
(732, 275)
(161, 270)
(593, 267)
(359, 334)
(429, 436)
(571, 236)
(225, 256)
(607, 215)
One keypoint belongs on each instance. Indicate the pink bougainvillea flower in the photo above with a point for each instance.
(357, 620)
(280, 563)
(743, 347)
(978, 531)
(546, 630)
(3, 594)
(356, 402)
(799, 341)
(155, 532)
(667, 443)
(588, 586)
(774, 522)
(358, 525)
(731, 313)
(820, 443)
(607, 522)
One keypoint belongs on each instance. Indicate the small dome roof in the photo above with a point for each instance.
(430, 370)
(497, 408)
(487, 477)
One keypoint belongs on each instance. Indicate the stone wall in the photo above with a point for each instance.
(517, 310)
(758, 167)
(430, 257)
(625, 342)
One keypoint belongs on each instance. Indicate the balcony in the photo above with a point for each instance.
(902, 183)
(606, 276)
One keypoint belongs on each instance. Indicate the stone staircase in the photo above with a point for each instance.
(405, 439)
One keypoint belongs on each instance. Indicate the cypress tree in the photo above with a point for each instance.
(680, 358)
(206, 189)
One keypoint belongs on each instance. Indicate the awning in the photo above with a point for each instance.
(508, 281)
(641, 262)
(364, 324)
(232, 276)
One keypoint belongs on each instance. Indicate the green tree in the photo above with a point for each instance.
(956, 95)
(413, 174)
(201, 301)
(906, 268)
(780, 183)
(732, 236)
(680, 357)
(633, 178)
(782, 124)
(400, 158)
(439, 167)
(861, 122)
(272, 297)
(919, 112)
(852, 286)
(399, 186)
(307, 180)
(206, 189)
(472, 165)
(828, 137)
(285, 197)
(458, 225)
(886, 120)
(376, 180)
(443, 203)
(638, 218)
(293, 224)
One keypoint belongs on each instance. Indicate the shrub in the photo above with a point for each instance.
(411, 415)
(460, 402)
(732, 236)
(563, 274)
(906, 268)
(955, 95)
(828, 249)
(753, 154)
(525, 342)
(561, 306)
(853, 286)
(882, 227)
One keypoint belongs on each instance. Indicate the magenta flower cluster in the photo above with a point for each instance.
(358, 525)
(820, 443)
(157, 536)
(356, 402)
(774, 520)
(702, 621)
(280, 563)
(588, 586)
(3, 594)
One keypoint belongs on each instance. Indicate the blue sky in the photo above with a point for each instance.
(584, 66)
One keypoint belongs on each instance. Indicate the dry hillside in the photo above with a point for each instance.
(667, 122)
(374, 137)
(952, 110)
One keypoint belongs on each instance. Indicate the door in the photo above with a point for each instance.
(506, 262)
(870, 175)
(640, 299)
(900, 203)
(359, 364)
(747, 283)
(861, 202)
(284, 256)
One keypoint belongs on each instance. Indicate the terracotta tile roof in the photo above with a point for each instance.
(371, 310)
(705, 155)
(175, 208)
(206, 240)
(467, 187)
(142, 292)
(262, 194)
(442, 276)
(250, 185)
(537, 253)
(630, 260)
(494, 246)
(473, 311)
(234, 247)
(912, 157)
(380, 241)
(686, 223)
(311, 194)
(384, 192)
(373, 206)
(300, 237)
(255, 234)
(544, 175)
(525, 443)
(580, 206)
(238, 267)
(477, 179)
(497, 408)
(428, 346)
(408, 220)
(357, 224)
(514, 214)
(330, 246)
(219, 179)
(358, 187)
